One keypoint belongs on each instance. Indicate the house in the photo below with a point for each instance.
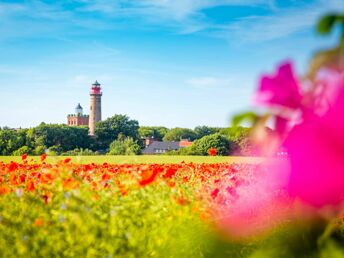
(154, 147)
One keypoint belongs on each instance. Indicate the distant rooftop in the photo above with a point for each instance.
(157, 147)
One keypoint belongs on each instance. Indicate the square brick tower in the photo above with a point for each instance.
(78, 118)
(95, 107)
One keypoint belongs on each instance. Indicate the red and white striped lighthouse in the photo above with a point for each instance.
(95, 107)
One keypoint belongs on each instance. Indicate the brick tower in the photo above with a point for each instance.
(95, 107)
(78, 118)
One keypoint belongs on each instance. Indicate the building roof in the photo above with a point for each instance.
(185, 143)
(96, 83)
(78, 106)
(160, 147)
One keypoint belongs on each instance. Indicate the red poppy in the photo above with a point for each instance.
(4, 189)
(148, 177)
(67, 160)
(105, 177)
(22, 178)
(12, 166)
(24, 156)
(70, 183)
(43, 157)
(30, 186)
(170, 172)
(212, 152)
(38, 222)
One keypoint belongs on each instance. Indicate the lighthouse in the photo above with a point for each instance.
(95, 107)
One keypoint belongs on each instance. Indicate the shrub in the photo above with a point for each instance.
(176, 134)
(124, 147)
(217, 141)
(80, 152)
(21, 151)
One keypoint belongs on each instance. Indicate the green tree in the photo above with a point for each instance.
(11, 140)
(124, 147)
(202, 131)
(240, 136)
(157, 132)
(178, 133)
(54, 150)
(222, 145)
(65, 137)
(108, 130)
(39, 150)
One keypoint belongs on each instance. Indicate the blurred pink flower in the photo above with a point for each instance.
(260, 205)
(281, 89)
(322, 93)
(316, 150)
(311, 124)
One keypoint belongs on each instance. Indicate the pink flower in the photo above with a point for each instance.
(280, 89)
(316, 149)
(322, 93)
(259, 206)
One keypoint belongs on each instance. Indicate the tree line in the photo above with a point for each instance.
(119, 135)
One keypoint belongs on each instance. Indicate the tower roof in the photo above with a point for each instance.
(96, 83)
(78, 106)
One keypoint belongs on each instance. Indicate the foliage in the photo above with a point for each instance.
(202, 131)
(250, 117)
(328, 58)
(63, 136)
(181, 152)
(108, 130)
(22, 150)
(176, 134)
(65, 140)
(39, 150)
(125, 146)
(217, 141)
(80, 152)
(327, 23)
(54, 150)
(11, 140)
(157, 132)
(240, 136)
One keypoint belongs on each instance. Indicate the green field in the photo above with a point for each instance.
(143, 159)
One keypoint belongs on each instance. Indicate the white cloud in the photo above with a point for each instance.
(6, 8)
(172, 9)
(282, 23)
(179, 16)
(185, 16)
(184, 8)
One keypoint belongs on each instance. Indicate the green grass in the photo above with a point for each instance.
(143, 159)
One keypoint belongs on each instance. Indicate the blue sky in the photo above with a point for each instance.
(162, 62)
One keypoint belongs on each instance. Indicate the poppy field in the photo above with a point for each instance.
(113, 210)
(66, 209)
(140, 159)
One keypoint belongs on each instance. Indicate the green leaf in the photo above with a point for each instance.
(247, 116)
(326, 23)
